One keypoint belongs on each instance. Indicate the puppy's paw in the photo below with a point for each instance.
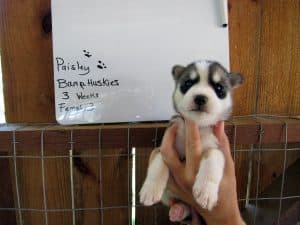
(206, 193)
(151, 193)
(178, 212)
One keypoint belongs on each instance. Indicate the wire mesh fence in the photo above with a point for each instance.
(92, 174)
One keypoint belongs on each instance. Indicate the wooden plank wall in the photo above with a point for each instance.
(26, 55)
(264, 46)
(279, 68)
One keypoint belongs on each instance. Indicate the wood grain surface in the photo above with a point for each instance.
(264, 47)
(26, 55)
(244, 32)
(279, 68)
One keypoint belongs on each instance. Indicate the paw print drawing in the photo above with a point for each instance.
(101, 65)
(87, 54)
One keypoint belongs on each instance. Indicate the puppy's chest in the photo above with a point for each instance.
(208, 140)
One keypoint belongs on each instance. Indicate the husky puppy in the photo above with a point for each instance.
(203, 93)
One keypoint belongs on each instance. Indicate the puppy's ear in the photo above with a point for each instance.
(177, 71)
(236, 79)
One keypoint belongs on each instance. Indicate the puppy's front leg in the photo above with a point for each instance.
(156, 180)
(208, 179)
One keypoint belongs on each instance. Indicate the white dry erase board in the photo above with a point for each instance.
(113, 58)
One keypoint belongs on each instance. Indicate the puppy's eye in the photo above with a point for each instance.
(186, 85)
(219, 87)
(220, 90)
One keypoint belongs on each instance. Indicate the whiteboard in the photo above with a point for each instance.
(112, 59)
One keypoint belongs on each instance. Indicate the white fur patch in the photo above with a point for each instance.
(193, 75)
(202, 68)
(216, 78)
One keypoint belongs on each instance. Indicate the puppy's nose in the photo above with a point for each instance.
(200, 100)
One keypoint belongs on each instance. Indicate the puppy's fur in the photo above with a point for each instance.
(202, 93)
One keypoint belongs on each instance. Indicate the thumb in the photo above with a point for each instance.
(193, 146)
(169, 153)
(169, 136)
(219, 131)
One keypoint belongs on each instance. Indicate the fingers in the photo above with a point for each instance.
(193, 148)
(168, 151)
(175, 187)
(178, 188)
(184, 174)
(169, 136)
(172, 161)
(219, 131)
(192, 137)
(195, 217)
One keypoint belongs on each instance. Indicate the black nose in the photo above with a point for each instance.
(200, 100)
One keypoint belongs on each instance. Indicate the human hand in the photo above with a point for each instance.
(183, 174)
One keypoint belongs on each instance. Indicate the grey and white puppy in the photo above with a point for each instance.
(203, 93)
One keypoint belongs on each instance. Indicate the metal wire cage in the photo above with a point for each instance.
(92, 174)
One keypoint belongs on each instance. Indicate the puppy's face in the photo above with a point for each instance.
(203, 91)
